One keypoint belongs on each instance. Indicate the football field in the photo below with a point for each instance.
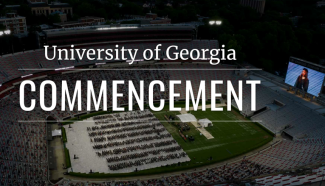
(233, 136)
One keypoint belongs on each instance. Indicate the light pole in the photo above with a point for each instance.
(4, 33)
(214, 22)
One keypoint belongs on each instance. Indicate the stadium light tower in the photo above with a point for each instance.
(215, 22)
(211, 22)
(6, 32)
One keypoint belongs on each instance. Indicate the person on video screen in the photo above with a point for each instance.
(302, 80)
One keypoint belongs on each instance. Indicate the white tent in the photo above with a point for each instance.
(205, 122)
(187, 118)
(56, 132)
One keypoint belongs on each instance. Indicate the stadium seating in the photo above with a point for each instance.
(23, 148)
(289, 154)
(318, 175)
(239, 170)
(228, 173)
(293, 118)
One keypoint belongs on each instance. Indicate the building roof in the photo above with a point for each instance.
(59, 5)
(17, 17)
(12, 6)
(107, 28)
(68, 23)
(57, 12)
(38, 4)
(52, 5)
(91, 17)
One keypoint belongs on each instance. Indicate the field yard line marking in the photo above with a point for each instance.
(205, 148)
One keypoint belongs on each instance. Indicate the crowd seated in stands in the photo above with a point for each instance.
(23, 146)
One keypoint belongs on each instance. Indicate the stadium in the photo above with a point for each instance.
(281, 143)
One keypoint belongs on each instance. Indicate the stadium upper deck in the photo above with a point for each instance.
(119, 33)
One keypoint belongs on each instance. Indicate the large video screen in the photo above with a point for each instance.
(304, 78)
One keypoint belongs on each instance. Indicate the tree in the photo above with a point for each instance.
(267, 65)
(2, 27)
(54, 18)
(25, 10)
(233, 44)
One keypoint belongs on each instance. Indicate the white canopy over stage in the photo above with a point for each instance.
(56, 132)
(205, 122)
(185, 118)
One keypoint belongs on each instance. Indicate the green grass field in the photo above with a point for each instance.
(231, 139)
